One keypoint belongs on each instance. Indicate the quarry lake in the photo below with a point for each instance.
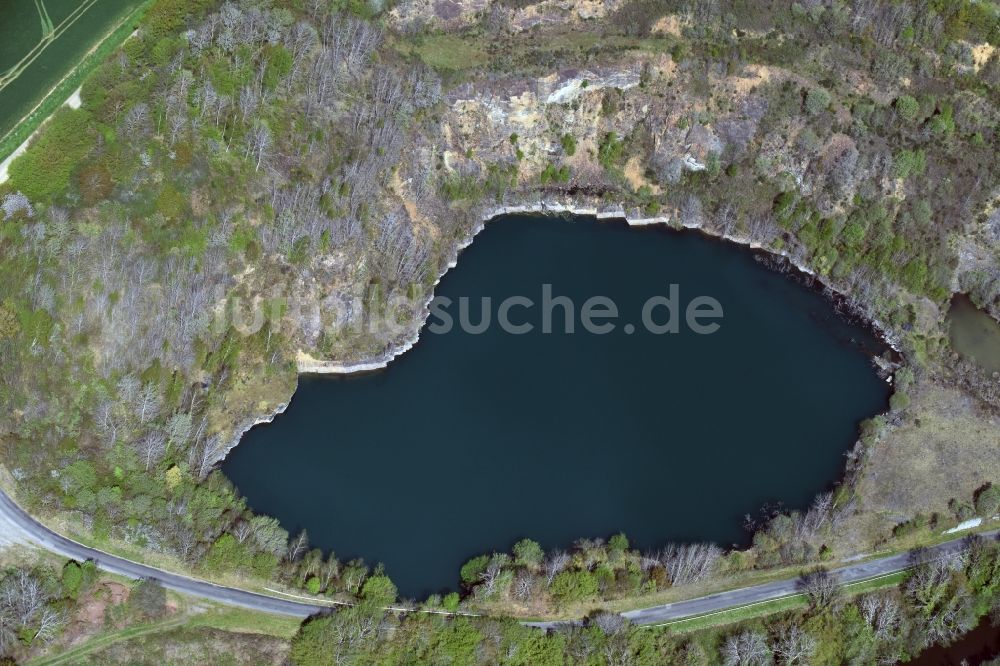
(469, 442)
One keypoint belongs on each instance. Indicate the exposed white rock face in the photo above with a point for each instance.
(965, 525)
(702, 141)
(456, 14)
(583, 81)
(691, 164)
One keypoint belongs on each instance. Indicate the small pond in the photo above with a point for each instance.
(974, 333)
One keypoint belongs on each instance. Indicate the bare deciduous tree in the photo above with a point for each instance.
(179, 429)
(794, 645)
(493, 575)
(204, 456)
(690, 563)
(14, 203)
(136, 121)
(882, 613)
(268, 535)
(554, 564)
(747, 648)
(298, 546)
(820, 586)
(524, 585)
(329, 570)
(147, 403)
(152, 447)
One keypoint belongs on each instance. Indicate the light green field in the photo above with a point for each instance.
(46, 48)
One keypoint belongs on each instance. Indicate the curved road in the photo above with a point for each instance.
(14, 517)
(744, 596)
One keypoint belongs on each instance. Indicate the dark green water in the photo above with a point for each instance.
(974, 648)
(469, 442)
(974, 333)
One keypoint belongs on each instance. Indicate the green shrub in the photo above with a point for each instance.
(713, 165)
(378, 589)
(943, 122)
(225, 555)
(988, 500)
(574, 586)
(568, 144)
(817, 101)
(166, 17)
(279, 64)
(9, 325)
(962, 510)
(553, 174)
(610, 150)
(45, 168)
(908, 108)
(457, 187)
(909, 162)
(473, 570)
(528, 553)
(72, 579)
(853, 234)
(264, 564)
(618, 544)
(171, 203)
(914, 275)
(910, 526)
(450, 602)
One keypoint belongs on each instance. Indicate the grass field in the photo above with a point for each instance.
(946, 449)
(46, 48)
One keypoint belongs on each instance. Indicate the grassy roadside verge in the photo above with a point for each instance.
(65, 87)
(772, 606)
(241, 620)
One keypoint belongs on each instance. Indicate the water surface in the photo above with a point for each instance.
(976, 647)
(974, 333)
(469, 442)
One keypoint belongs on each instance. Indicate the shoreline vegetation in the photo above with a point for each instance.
(219, 149)
(306, 364)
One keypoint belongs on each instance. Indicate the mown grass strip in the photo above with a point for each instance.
(242, 620)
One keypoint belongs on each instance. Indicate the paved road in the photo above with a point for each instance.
(14, 518)
(712, 603)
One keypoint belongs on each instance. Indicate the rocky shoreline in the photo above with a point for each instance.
(308, 365)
